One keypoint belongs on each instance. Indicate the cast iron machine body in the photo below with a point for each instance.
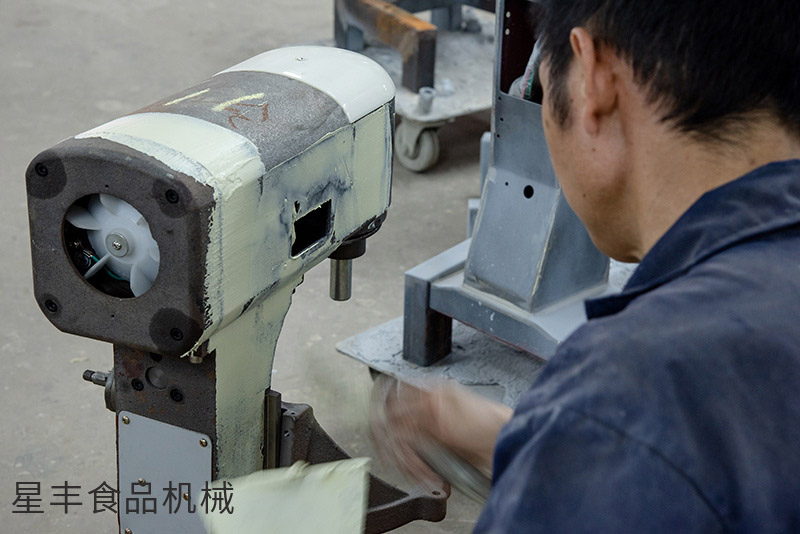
(179, 233)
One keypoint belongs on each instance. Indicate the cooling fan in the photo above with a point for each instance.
(111, 245)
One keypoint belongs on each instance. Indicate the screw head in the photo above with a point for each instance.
(51, 306)
(172, 196)
(204, 442)
(117, 245)
(176, 395)
(126, 420)
(176, 334)
(137, 384)
(41, 169)
(141, 482)
(128, 531)
(186, 496)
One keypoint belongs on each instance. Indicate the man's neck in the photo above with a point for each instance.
(672, 174)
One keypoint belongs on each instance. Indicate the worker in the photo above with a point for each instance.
(674, 130)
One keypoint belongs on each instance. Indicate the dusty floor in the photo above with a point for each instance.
(68, 65)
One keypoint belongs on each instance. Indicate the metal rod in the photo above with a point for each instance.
(425, 100)
(341, 279)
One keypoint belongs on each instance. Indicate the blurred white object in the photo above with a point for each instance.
(301, 499)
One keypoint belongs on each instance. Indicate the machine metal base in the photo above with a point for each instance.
(388, 507)
(481, 362)
(435, 295)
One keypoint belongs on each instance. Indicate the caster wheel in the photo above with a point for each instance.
(418, 154)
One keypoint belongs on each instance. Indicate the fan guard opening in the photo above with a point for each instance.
(110, 244)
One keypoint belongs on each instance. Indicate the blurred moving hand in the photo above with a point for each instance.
(404, 420)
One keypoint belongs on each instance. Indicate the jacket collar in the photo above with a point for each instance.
(762, 201)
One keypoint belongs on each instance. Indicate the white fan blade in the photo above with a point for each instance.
(139, 281)
(79, 217)
(152, 251)
(112, 204)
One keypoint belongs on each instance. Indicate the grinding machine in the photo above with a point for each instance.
(179, 234)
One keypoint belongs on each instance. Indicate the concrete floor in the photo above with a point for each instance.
(68, 65)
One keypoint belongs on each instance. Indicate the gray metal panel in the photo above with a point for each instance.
(538, 333)
(473, 205)
(159, 454)
(485, 156)
(528, 246)
(443, 264)
(520, 147)
(427, 334)
(572, 263)
(511, 237)
(435, 291)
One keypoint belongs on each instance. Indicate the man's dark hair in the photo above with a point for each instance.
(709, 64)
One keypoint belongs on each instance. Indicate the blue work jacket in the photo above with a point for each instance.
(676, 407)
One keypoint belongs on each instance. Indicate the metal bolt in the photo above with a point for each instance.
(141, 482)
(176, 395)
(126, 420)
(176, 334)
(128, 531)
(41, 169)
(204, 442)
(117, 244)
(96, 377)
(51, 306)
(186, 496)
(172, 196)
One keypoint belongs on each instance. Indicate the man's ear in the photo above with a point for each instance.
(596, 81)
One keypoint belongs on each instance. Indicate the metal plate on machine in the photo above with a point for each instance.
(484, 365)
(158, 464)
